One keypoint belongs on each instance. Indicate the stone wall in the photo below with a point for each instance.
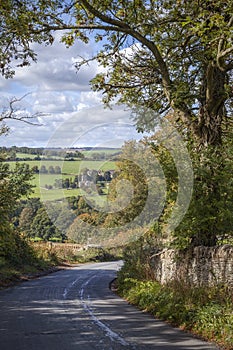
(201, 266)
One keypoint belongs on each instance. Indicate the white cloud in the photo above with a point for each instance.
(65, 97)
(88, 99)
(94, 127)
(55, 68)
(52, 102)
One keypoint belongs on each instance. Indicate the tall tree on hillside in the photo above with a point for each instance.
(43, 227)
(137, 194)
(166, 55)
(13, 185)
(28, 213)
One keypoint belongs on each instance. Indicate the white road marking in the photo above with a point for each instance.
(109, 333)
(69, 287)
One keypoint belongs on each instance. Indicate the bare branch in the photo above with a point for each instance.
(12, 112)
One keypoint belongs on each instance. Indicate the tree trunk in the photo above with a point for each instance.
(212, 110)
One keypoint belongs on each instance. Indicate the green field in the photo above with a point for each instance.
(86, 153)
(32, 156)
(69, 170)
(70, 167)
(107, 151)
(25, 155)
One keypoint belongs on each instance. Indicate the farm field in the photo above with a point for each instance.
(107, 151)
(32, 156)
(86, 153)
(25, 155)
(41, 180)
(68, 168)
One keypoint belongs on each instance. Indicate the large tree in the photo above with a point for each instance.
(172, 56)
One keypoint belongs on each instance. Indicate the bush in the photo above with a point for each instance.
(215, 321)
(14, 249)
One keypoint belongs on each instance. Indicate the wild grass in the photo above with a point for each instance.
(205, 311)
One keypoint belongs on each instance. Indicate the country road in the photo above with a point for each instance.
(74, 309)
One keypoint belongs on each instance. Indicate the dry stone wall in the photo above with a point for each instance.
(201, 266)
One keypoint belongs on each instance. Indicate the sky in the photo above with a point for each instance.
(72, 115)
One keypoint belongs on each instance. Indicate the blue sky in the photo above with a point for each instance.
(74, 114)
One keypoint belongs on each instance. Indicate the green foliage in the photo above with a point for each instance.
(46, 254)
(42, 226)
(137, 256)
(136, 194)
(16, 254)
(209, 220)
(80, 232)
(14, 249)
(18, 16)
(204, 310)
(44, 222)
(161, 55)
(13, 185)
(62, 218)
(215, 321)
(57, 220)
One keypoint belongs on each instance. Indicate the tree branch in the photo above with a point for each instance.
(13, 113)
(149, 44)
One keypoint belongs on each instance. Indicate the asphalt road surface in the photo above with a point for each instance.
(74, 309)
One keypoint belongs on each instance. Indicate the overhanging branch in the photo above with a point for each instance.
(13, 113)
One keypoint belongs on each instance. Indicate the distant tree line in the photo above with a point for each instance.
(49, 154)
(43, 170)
(26, 150)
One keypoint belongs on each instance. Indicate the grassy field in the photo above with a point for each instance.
(25, 155)
(101, 151)
(33, 156)
(87, 153)
(39, 182)
(69, 170)
(70, 167)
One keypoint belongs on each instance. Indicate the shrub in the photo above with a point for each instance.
(204, 311)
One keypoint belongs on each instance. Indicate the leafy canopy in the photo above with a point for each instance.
(158, 54)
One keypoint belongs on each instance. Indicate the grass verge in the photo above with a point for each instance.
(206, 312)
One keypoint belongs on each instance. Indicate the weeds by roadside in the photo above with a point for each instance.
(207, 312)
